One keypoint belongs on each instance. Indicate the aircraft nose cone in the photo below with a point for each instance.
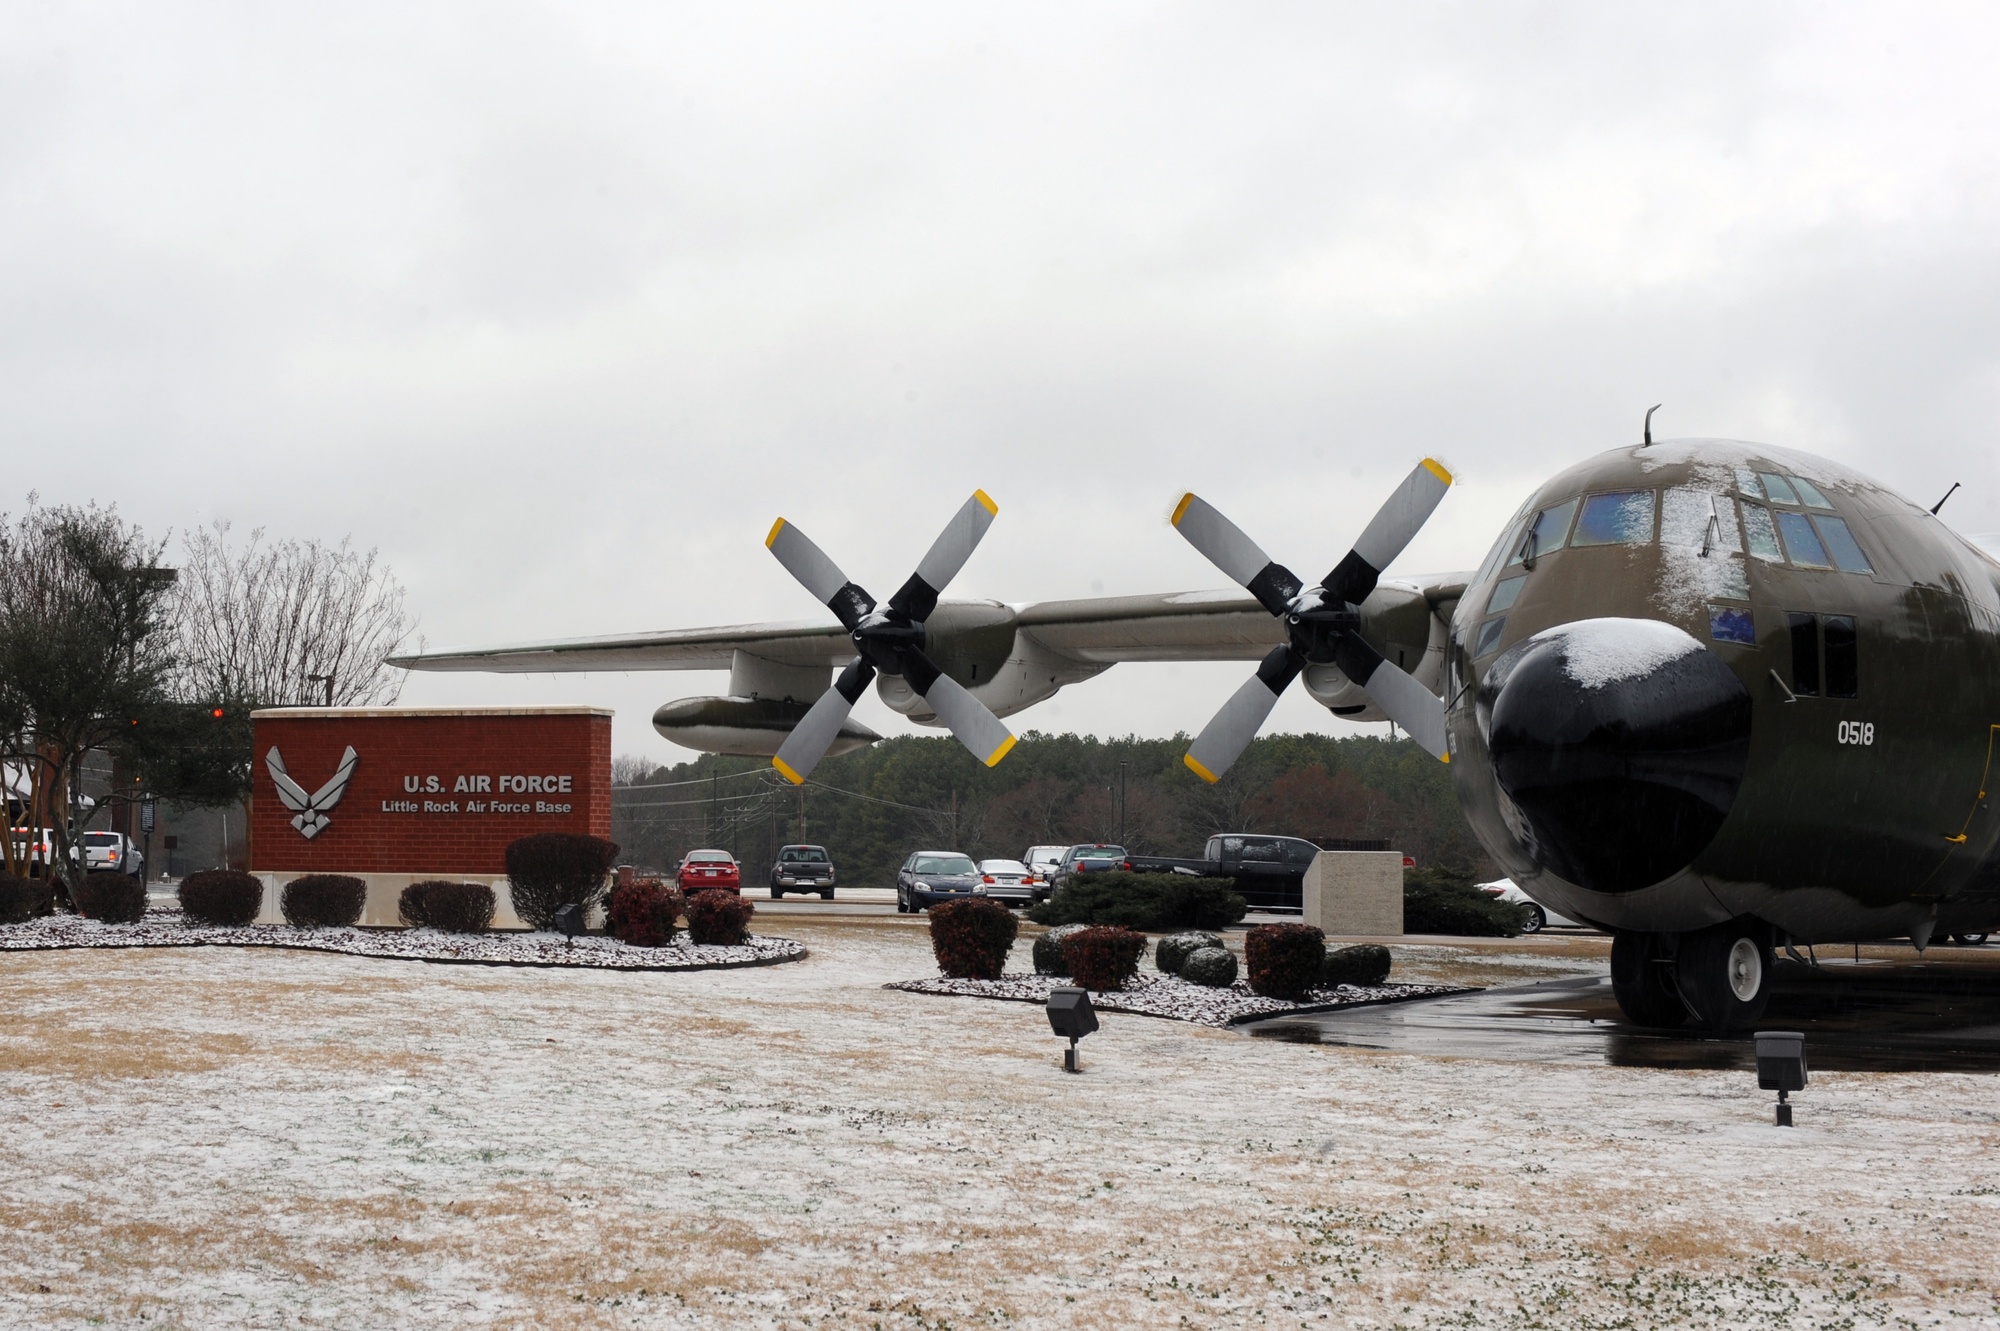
(1621, 743)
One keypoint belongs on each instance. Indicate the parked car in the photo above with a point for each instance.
(1536, 917)
(1009, 881)
(932, 876)
(1095, 857)
(1042, 862)
(36, 848)
(709, 871)
(802, 869)
(113, 852)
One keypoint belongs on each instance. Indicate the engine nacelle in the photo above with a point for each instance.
(749, 727)
(1397, 621)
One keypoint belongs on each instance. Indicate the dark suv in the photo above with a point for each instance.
(802, 869)
(931, 876)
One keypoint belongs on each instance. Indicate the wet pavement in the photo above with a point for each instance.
(1868, 1016)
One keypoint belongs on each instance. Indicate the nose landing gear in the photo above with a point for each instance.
(1717, 978)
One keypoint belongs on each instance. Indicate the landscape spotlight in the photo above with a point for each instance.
(569, 922)
(1781, 1067)
(1071, 1017)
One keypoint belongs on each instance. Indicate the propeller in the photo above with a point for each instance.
(890, 639)
(1323, 622)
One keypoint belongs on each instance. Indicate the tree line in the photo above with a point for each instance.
(873, 807)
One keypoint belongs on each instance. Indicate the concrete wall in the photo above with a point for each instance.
(1355, 893)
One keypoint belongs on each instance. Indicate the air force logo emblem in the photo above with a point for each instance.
(310, 809)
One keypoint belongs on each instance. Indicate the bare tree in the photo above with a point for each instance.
(287, 623)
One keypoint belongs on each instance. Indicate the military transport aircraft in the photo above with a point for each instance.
(1712, 696)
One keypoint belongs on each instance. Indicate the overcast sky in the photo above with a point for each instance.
(560, 305)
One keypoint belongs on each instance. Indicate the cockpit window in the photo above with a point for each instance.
(1801, 541)
(1622, 518)
(1546, 533)
(1778, 488)
(1505, 594)
(1746, 481)
(1809, 493)
(1840, 543)
(1761, 535)
(1489, 635)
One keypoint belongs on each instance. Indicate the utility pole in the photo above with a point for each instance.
(954, 817)
(1121, 802)
(326, 679)
(802, 815)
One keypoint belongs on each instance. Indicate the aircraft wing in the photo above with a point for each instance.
(805, 644)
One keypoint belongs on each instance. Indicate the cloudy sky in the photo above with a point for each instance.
(560, 305)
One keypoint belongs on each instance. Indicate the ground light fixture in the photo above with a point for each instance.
(569, 923)
(1071, 1017)
(1781, 1067)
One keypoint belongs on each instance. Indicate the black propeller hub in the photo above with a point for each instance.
(885, 641)
(1316, 634)
(1621, 743)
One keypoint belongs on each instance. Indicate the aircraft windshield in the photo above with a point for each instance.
(1546, 533)
(1624, 518)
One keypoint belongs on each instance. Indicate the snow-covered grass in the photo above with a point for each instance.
(1170, 996)
(165, 927)
(231, 1137)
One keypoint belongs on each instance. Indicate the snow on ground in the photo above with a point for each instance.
(1156, 995)
(227, 1137)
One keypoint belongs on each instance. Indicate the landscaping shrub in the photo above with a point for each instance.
(1048, 949)
(23, 899)
(971, 938)
(1365, 963)
(551, 870)
(1211, 966)
(1285, 959)
(1438, 901)
(721, 918)
(643, 913)
(455, 908)
(1104, 956)
(1150, 902)
(1175, 949)
(222, 898)
(114, 898)
(323, 900)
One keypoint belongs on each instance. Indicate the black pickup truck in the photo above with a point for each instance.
(1266, 871)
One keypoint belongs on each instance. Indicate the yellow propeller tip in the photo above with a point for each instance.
(1200, 771)
(789, 774)
(994, 757)
(1444, 758)
(1180, 510)
(1436, 468)
(986, 502)
(772, 539)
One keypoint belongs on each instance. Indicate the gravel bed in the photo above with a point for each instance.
(1178, 1000)
(166, 928)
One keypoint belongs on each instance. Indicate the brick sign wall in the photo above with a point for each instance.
(431, 792)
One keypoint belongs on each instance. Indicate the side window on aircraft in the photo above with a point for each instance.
(1840, 543)
(1489, 636)
(1843, 657)
(1728, 623)
(1760, 534)
(1805, 655)
(1801, 541)
(1623, 518)
(1544, 534)
(1505, 594)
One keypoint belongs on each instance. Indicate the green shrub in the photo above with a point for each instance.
(24, 899)
(1365, 963)
(1284, 959)
(1438, 901)
(113, 898)
(1149, 902)
(971, 938)
(1175, 949)
(221, 898)
(1048, 949)
(411, 907)
(453, 908)
(719, 918)
(643, 913)
(550, 870)
(323, 901)
(1104, 956)
(1214, 967)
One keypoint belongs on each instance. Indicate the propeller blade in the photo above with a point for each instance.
(1399, 519)
(1224, 545)
(948, 553)
(1409, 704)
(1224, 738)
(818, 574)
(814, 735)
(983, 733)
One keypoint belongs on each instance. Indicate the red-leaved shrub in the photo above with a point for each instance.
(223, 898)
(323, 900)
(971, 937)
(718, 917)
(1104, 956)
(114, 898)
(1284, 959)
(643, 912)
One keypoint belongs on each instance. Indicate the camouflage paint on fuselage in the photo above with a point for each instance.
(1848, 820)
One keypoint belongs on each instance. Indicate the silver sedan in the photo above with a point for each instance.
(1537, 917)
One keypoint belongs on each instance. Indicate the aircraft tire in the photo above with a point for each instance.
(1642, 983)
(1724, 973)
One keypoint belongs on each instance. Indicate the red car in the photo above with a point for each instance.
(709, 871)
